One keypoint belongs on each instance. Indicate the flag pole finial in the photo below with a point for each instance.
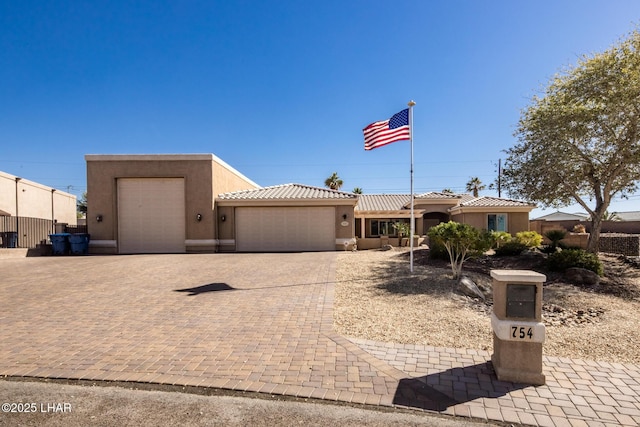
(411, 103)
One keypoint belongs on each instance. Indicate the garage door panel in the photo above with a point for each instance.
(151, 216)
(279, 229)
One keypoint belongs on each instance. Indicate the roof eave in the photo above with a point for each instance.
(286, 202)
(490, 209)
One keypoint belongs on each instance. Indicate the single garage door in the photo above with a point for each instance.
(283, 229)
(151, 217)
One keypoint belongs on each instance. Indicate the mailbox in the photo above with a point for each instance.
(518, 331)
(521, 301)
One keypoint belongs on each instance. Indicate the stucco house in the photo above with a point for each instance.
(376, 213)
(198, 203)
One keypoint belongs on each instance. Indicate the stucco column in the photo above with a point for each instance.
(518, 331)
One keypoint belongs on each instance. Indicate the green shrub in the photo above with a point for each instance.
(461, 241)
(530, 239)
(499, 238)
(555, 236)
(511, 248)
(437, 250)
(568, 258)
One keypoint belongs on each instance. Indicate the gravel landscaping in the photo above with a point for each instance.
(377, 298)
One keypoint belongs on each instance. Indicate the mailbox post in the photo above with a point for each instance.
(518, 331)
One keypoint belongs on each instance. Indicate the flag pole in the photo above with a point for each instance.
(412, 221)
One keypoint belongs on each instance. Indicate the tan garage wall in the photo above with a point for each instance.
(198, 172)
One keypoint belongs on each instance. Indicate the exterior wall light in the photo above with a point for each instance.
(198, 217)
(344, 216)
(99, 218)
(223, 218)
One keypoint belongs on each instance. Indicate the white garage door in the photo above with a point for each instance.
(282, 229)
(151, 217)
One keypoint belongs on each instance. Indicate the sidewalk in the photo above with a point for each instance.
(462, 383)
(263, 323)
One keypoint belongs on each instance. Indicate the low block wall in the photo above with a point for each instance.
(623, 244)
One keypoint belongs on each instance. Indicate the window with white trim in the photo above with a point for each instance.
(497, 222)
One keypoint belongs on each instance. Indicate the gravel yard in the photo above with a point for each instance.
(377, 298)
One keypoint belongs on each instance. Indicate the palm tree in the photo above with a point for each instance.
(333, 182)
(475, 185)
(610, 216)
(357, 190)
(447, 191)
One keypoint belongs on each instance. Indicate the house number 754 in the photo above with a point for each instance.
(521, 332)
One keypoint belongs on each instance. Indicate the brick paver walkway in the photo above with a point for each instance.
(263, 323)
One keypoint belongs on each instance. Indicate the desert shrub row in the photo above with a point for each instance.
(567, 258)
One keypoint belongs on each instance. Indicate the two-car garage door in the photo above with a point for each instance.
(151, 215)
(283, 229)
(151, 219)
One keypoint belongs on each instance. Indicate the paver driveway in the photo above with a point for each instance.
(263, 322)
(259, 322)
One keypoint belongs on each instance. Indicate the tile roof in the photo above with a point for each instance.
(382, 202)
(287, 192)
(438, 195)
(562, 216)
(488, 201)
(435, 195)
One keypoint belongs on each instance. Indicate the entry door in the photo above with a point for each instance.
(151, 215)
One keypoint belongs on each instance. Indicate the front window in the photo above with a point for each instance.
(497, 222)
(384, 227)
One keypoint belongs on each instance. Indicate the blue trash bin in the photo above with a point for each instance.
(60, 243)
(79, 243)
(12, 239)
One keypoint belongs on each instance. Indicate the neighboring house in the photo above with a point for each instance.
(23, 198)
(622, 222)
(28, 211)
(198, 203)
(626, 216)
(376, 213)
(562, 216)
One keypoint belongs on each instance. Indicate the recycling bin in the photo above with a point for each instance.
(518, 331)
(60, 243)
(79, 243)
(10, 239)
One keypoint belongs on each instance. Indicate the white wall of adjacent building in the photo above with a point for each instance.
(22, 197)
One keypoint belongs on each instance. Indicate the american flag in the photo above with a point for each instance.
(385, 132)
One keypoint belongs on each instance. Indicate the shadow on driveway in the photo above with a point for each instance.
(211, 287)
(439, 391)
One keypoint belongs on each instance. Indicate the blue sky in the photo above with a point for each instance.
(282, 89)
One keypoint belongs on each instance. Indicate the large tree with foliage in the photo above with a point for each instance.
(579, 142)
